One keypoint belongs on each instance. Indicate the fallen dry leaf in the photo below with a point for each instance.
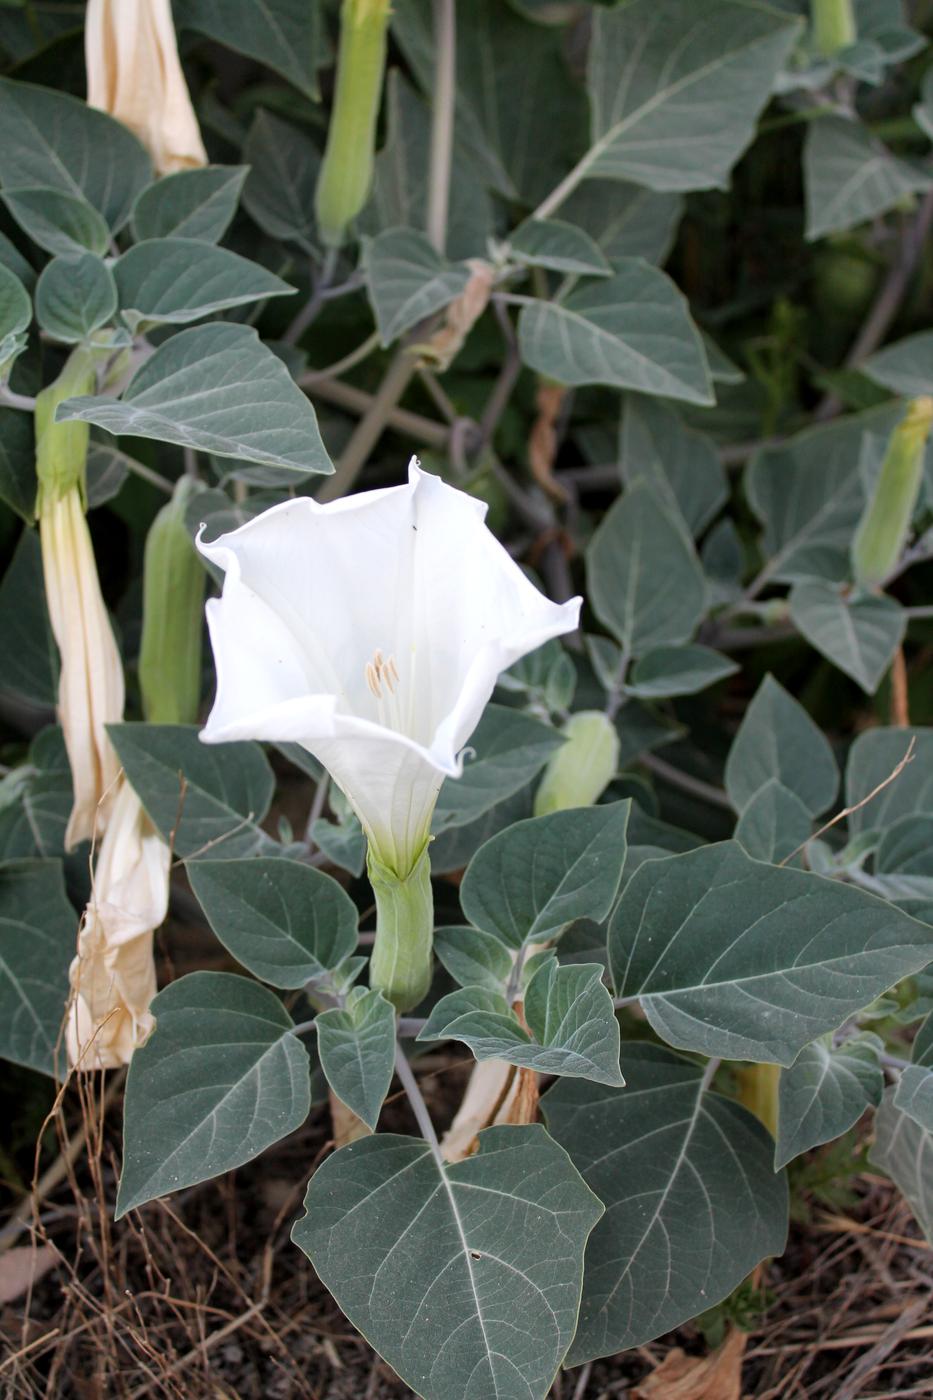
(682, 1377)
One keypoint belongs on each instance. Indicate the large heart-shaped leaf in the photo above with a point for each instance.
(632, 330)
(38, 930)
(736, 958)
(859, 634)
(466, 1278)
(533, 879)
(202, 797)
(778, 739)
(54, 140)
(174, 280)
(675, 88)
(220, 1079)
(286, 922)
(692, 1202)
(218, 389)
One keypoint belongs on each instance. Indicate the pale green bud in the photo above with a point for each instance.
(401, 963)
(885, 524)
(582, 768)
(834, 25)
(173, 611)
(347, 169)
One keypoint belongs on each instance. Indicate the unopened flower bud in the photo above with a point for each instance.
(885, 524)
(834, 25)
(347, 169)
(173, 616)
(582, 768)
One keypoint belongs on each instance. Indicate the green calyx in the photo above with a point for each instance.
(347, 169)
(885, 524)
(61, 448)
(173, 616)
(401, 962)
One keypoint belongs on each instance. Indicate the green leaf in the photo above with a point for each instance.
(107, 469)
(33, 822)
(902, 1149)
(778, 739)
(190, 204)
(38, 929)
(809, 496)
(905, 367)
(55, 141)
(509, 72)
(286, 35)
(682, 466)
(569, 1013)
(60, 223)
(683, 670)
(466, 1277)
(356, 1044)
(645, 581)
(736, 958)
(17, 454)
(472, 957)
(508, 749)
(15, 311)
(174, 280)
(344, 844)
(824, 1092)
(74, 297)
(559, 246)
(400, 183)
(851, 177)
(287, 923)
(279, 190)
(632, 330)
(218, 389)
(904, 859)
(913, 1095)
(196, 794)
(873, 757)
(408, 280)
(675, 91)
(626, 221)
(30, 656)
(774, 823)
(220, 1079)
(692, 1202)
(858, 633)
(533, 879)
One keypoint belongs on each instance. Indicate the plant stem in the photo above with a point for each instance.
(370, 427)
(10, 400)
(420, 1109)
(355, 357)
(314, 303)
(696, 787)
(402, 420)
(442, 120)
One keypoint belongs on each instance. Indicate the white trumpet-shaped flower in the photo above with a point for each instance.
(371, 631)
(134, 73)
(113, 976)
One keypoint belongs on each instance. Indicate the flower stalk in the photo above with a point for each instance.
(347, 169)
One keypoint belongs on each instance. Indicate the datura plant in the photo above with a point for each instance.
(537, 831)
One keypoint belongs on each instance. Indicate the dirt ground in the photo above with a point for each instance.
(203, 1297)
